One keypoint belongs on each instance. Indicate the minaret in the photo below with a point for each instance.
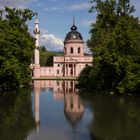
(36, 51)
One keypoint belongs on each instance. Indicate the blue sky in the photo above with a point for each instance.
(56, 17)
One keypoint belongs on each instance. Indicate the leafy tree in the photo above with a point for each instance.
(46, 57)
(115, 44)
(16, 48)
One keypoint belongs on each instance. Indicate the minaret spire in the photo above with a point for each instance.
(36, 15)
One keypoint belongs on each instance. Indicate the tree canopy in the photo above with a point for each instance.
(115, 44)
(16, 47)
(46, 57)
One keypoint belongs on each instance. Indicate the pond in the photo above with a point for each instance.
(55, 110)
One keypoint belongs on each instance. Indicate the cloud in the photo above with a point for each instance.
(75, 7)
(50, 9)
(80, 6)
(50, 41)
(87, 50)
(15, 3)
(86, 22)
(40, 4)
(136, 4)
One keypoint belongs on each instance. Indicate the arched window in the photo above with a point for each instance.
(71, 50)
(71, 103)
(79, 50)
(65, 49)
(57, 83)
(57, 71)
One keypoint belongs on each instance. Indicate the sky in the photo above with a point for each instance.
(56, 18)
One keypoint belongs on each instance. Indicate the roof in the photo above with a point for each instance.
(73, 34)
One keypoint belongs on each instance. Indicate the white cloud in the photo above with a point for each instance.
(52, 9)
(80, 6)
(75, 7)
(15, 3)
(86, 22)
(136, 4)
(87, 50)
(50, 41)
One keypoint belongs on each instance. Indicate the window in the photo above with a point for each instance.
(79, 50)
(78, 105)
(71, 102)
(65, 49)
(58, 89)
(57, 83)
(70, 65)
(71, 105)
(71, 50)
(57, 71)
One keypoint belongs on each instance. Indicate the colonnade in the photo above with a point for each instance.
(70, 69)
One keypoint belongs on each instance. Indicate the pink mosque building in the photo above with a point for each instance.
(69, 65)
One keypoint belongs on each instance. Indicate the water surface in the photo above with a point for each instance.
(55, 110)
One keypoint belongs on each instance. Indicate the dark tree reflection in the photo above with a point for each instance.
(115, 117)
(16, 118)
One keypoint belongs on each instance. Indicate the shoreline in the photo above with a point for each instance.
(55, 78)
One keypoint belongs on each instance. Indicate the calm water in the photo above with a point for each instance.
(55, 110)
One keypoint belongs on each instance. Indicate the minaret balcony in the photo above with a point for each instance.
(36, 32)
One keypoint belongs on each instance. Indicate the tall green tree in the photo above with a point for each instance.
(115, 44)
(16, 48)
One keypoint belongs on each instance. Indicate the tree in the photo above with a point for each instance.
(115, 44)
(46, 57)
(16, 48)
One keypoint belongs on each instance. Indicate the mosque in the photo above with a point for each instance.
(68, 65)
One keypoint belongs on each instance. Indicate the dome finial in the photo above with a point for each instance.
(73, 27)
(73, 20)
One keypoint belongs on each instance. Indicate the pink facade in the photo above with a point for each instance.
(69, 65)
(46, 71)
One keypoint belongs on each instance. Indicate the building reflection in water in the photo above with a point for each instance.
(73, 108)
(37, 105)
(62, 90)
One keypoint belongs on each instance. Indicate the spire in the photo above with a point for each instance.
(73, 20)
(73, 27)
(36, 15)
(36, 18)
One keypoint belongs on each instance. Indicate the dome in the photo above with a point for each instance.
(73, 34)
